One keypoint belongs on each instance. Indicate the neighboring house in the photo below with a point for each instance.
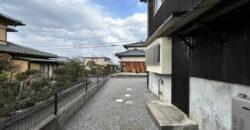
(24, 57)
(98, 60)
(133, 60)
(78, 59)
(62, 59)
(198, 58)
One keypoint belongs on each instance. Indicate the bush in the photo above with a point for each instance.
(24, 75)
(39, 85)
(3, 77)
(69, 74)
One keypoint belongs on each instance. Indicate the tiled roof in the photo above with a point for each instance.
(131, 53)
(136, 44)
(9, 20)
(39, 60)
(18, 49)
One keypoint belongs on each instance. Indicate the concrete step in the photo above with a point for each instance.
(168, 117)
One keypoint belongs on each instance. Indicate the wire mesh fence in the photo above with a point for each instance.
(24, 119)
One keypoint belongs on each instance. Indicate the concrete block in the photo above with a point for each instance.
(168, 117)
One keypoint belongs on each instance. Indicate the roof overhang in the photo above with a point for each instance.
(144, 1)
(10, 21)
(9, 29)
(38, 60)
(178, 20)
(167, 24)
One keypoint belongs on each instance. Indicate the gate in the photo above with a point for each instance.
(180, 78)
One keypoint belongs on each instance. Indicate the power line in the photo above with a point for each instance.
(77, 41)
(80, 47)
(85, 47)
(75, 45)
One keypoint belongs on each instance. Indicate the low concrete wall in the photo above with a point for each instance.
(65, 113)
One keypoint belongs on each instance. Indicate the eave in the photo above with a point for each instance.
(185, 22)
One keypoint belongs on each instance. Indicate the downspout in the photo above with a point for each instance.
(160, 81)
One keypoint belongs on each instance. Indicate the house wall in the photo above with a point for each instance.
(219, 69)
(211, 101)
(47, 69)
(165, 87)
(165, 65)
(138, 48)
(99, 61)
(22, 65)
(35, 66)
(3, 37)
(139, 67)
(166, 9)
(142, 59)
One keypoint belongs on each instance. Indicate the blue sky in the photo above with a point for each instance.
(78, 27)
(123, 8)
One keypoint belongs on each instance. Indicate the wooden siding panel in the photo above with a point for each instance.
(166, 9)
(180, 77)
(227, 61)
(139, 67)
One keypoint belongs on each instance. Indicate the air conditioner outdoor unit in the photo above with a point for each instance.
(241, 112)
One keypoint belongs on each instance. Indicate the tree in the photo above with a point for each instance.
(5, 62)
(91, 64)
(7, 65)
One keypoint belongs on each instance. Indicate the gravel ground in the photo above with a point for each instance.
(102, 112)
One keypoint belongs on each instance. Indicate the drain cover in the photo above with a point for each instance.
(127, 95)
(119, 100)
(129, 89)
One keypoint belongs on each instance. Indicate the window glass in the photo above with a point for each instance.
(157, 5)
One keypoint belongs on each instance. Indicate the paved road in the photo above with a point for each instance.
(102, 112)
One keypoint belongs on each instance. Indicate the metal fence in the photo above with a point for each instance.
(27, 118)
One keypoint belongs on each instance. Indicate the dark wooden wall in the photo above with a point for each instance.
(167, 8)
(228, 57)
(139, 67)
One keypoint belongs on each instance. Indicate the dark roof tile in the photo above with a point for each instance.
(136, 44)
(131, 53)
(18, 49)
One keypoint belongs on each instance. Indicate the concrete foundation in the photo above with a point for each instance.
(211, 102)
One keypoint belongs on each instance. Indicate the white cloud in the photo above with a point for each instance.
(70, 23)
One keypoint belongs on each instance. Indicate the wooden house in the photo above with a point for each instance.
(25, 57)
(133, 60)
(203, 58)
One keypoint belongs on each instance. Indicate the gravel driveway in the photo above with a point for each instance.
(118, 105)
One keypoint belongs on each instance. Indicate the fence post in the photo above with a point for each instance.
(97, 79)
(55, 103)
(86, 86)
